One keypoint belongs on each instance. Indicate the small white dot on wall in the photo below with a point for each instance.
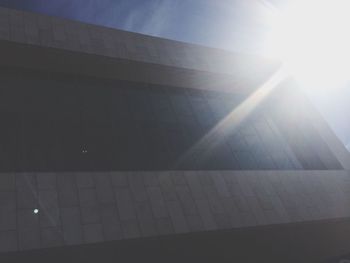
(36, 211)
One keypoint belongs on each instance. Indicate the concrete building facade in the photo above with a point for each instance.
(105, 132)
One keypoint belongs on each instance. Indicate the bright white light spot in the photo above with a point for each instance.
(312, 37)
(36, 211)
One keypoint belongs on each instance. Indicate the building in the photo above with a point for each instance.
(115, 141)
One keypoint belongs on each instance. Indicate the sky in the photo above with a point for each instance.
(221, 23)
(235, 25)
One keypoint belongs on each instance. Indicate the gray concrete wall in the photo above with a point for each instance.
(78, 208)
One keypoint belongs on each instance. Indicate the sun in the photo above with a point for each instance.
(312, 38)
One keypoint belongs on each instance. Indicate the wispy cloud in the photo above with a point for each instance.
(160, 18)
(153, 19)
(133, 19)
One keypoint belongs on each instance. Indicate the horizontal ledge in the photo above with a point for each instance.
(58, 60)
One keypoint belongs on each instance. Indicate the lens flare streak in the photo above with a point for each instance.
(232, 121)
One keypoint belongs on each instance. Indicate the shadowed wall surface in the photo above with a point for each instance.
(90, 207)
(56, 122)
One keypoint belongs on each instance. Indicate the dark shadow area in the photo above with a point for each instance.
(298, 242)
(57, 122)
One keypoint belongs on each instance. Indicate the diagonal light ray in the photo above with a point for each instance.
(231, 122)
